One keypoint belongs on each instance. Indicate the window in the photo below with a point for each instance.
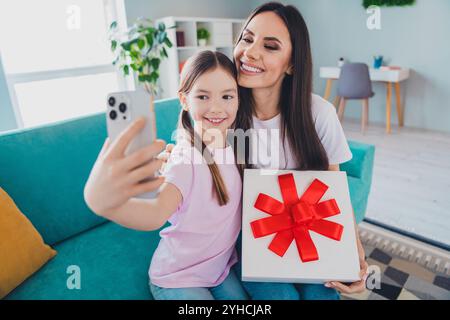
(56, 57)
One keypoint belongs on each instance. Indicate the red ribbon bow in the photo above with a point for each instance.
(295, 217)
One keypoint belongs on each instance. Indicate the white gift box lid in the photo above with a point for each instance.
(338, 260)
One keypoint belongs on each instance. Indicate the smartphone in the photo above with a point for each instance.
(122, 109)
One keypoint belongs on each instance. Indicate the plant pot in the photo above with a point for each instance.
(202, 42)
(377, 62)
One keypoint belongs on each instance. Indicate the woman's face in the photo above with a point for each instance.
(263, 55)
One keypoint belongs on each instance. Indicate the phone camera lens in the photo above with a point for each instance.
(122, 107)
(113, 115)
(112, 101)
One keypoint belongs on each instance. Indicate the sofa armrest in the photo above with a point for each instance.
(359, 172)
(361, 165)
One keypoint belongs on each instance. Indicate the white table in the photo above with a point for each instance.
(389, 77)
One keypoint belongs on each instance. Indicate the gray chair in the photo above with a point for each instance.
(354, 83)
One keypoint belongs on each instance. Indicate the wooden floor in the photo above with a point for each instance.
(411, 181)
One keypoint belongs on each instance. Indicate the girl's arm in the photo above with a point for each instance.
(147, 214)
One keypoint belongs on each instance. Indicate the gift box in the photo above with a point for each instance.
(298, 226)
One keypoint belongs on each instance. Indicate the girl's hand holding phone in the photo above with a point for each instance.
(115, 178)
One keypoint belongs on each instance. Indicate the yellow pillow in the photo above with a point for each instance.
(22, 249)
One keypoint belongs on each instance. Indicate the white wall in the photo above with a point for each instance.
(7, 118)
(187, 8)
(415, 37)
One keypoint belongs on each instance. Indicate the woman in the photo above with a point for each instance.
(273, 58)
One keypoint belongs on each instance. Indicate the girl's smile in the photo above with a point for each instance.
(250, 69)
(215, 121)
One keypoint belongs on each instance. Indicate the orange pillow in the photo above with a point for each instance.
(22, 249)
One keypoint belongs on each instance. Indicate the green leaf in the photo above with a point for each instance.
(149, 38)
(164, 53)
(155, 63)
(134, 66)
(134, 54)
(162, 27)
(154, 76)
(161, 37)
(126, 70)
(167, 42)
(113, 45)
(150, 30)
(144, 78)
(127, 44)
(113, 25)
(141, 43)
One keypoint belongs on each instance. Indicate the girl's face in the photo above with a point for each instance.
(212, 101)
(263, 55)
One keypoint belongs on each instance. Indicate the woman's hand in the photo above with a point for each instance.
(358, 286)
(164, 156)
(114, 178)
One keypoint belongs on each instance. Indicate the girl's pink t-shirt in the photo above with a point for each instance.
(198, 248)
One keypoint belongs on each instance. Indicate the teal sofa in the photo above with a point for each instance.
(44, 170)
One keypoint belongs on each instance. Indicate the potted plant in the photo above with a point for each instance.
(141, 49)
(202, 36)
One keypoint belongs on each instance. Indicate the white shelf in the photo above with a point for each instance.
(204, 19)
(223, 35)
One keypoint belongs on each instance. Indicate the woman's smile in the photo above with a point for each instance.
(249, 69)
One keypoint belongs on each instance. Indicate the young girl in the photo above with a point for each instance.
(201, 194)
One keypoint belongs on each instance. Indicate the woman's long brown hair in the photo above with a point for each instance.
(295, 97)
(196, 66)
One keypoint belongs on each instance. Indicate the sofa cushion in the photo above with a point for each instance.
(22, 251)
(113, 262)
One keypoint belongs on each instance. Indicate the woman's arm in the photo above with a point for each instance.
(147, 214)
(358, 286)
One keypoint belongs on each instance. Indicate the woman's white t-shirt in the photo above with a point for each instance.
(269, 152)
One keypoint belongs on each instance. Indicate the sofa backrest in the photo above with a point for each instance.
(44, 169)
